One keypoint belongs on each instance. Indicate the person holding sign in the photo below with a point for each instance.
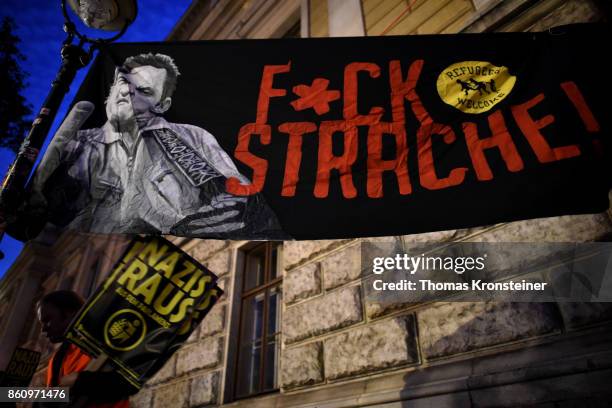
(69, 366)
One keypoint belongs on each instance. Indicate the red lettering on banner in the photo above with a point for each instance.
(531, 129)
(351, 90)
(401, 90)
(259, 165)
(376, 165)
(575, 96)
(427, 171)
(266, 91)
(500, 138)
(319, 96)
(294, 154)
(328, 162)
(315, 96)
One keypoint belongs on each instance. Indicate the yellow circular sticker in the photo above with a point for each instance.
(124, 330)
(474, 86)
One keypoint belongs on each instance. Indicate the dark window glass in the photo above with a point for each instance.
(272, 349)
(273, 262)
(255, 265)
(274, 297)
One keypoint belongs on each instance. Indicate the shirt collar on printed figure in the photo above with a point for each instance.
(110, 135)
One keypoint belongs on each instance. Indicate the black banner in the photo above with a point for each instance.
(147, 308)
(335, 137)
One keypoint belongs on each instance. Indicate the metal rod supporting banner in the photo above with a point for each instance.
(73, 58)
(12, 190)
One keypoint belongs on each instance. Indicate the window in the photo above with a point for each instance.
(259, 337)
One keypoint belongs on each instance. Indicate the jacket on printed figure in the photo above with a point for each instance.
(171, 181)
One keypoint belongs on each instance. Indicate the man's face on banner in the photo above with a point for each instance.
(137, 95)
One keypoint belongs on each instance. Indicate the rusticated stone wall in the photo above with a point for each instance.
(451, 328)
(333, 331)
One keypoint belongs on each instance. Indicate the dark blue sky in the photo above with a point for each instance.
(39, 25)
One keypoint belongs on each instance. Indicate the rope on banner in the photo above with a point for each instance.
(408, 9)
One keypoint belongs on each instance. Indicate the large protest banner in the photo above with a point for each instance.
(333, 138)
(155, 297)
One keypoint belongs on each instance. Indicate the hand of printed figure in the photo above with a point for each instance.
(67, 132)
(224, 213)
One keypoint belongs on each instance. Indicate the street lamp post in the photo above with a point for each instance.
(109, 15)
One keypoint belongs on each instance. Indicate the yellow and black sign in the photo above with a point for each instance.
(474, 86)
(154, 298)
(21, 368)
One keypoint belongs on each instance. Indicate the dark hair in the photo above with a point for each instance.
(157, 61)
(65, 300)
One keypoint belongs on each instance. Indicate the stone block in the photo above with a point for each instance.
(223, 284)
(381, 302)
(382, 240)
(178, 241)
(175, 395)
(203, 354)
(302, 282)
(370, 348)
(302, 365)
(457, 327)
(572, 11)
(219, 263)
(569, 228)
(214, 321)
(166, 372)
(142, 399)
(195, 335)
(342, 266)
(204, 389)
(296, 252)
(322, 314)
(206, 247)
(437, 236)
(576, 314)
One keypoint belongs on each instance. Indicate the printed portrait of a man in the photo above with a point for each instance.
(140, 173)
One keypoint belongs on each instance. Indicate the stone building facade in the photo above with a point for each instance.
(332, 344)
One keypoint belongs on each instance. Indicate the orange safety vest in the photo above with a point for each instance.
(75, 360)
